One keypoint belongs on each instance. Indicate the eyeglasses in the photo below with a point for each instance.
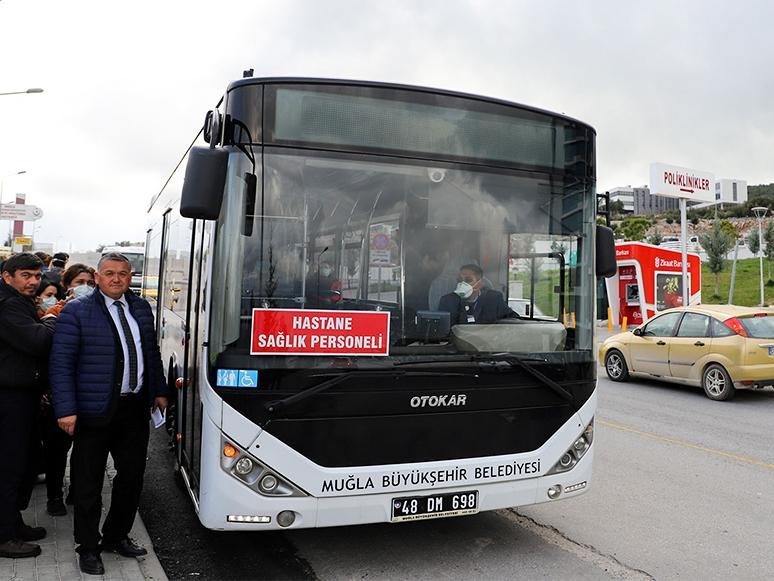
(467, 279)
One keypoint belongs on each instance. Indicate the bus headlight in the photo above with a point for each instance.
(244, 466)
(268, 483)
(239, 464)
(572, 456)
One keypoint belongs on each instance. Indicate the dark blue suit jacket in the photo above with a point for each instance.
(86, 364)
(489, 307)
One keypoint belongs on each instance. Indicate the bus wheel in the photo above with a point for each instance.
(615, 365)
(717, 383)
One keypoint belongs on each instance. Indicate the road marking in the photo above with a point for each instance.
(687, 444)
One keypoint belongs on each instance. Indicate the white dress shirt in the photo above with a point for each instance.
(113, 310)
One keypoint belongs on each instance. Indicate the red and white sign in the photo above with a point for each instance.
(681, 182)
(313, 332)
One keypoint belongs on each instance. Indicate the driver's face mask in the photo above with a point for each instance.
(463, 289)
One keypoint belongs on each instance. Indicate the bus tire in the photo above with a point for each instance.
(717, 383)
(615, 366)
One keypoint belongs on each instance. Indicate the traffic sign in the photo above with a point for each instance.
(381, 241)
(22, 241)
(21, 212)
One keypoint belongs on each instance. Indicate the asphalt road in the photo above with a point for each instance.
(682, 490)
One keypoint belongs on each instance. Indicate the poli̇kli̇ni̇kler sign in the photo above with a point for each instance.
(313, 332)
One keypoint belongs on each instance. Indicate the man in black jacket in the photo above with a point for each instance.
(25, 343)
(471, 302)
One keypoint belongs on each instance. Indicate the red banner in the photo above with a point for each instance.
(312, 332)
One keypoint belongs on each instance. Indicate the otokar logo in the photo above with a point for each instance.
(434, 401)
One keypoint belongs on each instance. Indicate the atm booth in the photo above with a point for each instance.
(650, 280)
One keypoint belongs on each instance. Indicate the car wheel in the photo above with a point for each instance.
(616, 367)
(717, 383)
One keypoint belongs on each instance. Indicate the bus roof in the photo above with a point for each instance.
(320, 81)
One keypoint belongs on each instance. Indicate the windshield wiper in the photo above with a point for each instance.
(512, 360)
(276, 405)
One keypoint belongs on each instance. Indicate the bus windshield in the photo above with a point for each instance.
(334, 233)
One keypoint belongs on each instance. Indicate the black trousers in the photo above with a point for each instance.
(125, 438)
(20, 455)
(56, 444)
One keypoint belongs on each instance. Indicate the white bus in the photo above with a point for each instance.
(296, 272)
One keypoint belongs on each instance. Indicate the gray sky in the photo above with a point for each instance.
(687, 83)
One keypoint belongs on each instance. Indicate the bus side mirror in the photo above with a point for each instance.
(205, 179)
(606, 263)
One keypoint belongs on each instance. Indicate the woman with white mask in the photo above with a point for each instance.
(78, 280)
(48, 294)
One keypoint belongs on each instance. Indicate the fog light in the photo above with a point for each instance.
(244, 466)
(566, 460)
(269, 483)
(580, 443)
(554, 491)
(286, 518)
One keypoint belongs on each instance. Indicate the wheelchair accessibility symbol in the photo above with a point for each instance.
(248, 378)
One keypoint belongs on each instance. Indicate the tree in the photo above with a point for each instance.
(656, 238)
(717, 245)
(754, 242)
(617, 207)
(768, 238)
(634, 228)
(731, 230)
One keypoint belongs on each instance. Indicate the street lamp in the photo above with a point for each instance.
(2, 182)
(760, 212)
(28, 91)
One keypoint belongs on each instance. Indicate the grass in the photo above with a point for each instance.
(747, 285)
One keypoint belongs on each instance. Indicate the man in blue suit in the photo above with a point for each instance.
(106, 375)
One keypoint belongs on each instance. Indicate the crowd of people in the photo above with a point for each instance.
(79, 368)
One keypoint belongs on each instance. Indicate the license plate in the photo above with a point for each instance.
(771, 350)
(436, 506)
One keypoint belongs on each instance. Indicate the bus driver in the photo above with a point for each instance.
(470, 302)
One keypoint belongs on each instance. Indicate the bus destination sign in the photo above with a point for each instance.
(313, 332)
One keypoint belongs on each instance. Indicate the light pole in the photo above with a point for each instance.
(760, 212)
(28, 91)
(2, 183)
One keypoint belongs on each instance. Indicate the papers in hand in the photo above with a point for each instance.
(158, 418)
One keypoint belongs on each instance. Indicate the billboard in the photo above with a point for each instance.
(681, 182)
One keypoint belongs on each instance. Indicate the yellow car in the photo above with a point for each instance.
(718, 347)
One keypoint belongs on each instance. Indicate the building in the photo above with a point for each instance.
(640, 202)
(727, 193)
(730, 191)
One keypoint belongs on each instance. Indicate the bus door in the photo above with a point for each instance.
(190, 399)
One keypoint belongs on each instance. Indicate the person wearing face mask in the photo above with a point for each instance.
(48, 294)
(323, 288)
(78, 281)
(471, 303)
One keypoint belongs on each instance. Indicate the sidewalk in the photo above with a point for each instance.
(59, 562)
